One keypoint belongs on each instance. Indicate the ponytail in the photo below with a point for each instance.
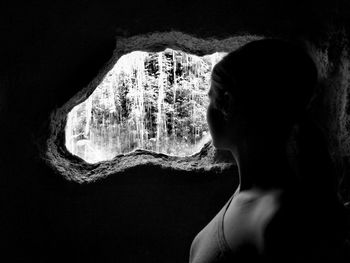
(312, 161)
(314, 169)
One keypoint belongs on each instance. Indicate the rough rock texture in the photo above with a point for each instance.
(73, 168)
(50, 51)
(330, 107)
(331, 103)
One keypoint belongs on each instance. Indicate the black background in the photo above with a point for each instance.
(50, 50)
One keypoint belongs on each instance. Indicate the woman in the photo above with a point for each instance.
(285, 208)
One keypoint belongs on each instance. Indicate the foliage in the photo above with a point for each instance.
(154, 101)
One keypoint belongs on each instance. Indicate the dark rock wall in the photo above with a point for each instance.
(50, 51)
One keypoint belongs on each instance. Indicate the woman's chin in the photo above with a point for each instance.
(220, 146)
(217, 145)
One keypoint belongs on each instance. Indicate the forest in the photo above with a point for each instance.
(149, 100)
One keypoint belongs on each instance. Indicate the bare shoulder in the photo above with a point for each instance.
(281, 227)
(248, 215)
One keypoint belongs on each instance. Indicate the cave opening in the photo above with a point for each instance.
(153, 101)
(127, 116)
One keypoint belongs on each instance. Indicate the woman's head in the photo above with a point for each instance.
(261, 88)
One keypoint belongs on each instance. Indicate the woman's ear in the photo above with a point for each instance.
(227, 105)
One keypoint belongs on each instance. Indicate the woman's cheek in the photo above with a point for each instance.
(216, 125)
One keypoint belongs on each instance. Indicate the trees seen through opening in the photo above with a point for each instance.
(149, 100)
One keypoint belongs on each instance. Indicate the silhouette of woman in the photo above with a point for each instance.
(285, 208)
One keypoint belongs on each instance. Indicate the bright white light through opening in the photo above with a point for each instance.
(148, 100)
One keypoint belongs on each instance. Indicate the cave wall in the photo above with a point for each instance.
(50, 51)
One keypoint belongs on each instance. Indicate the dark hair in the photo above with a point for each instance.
(269, 77)
(276, 80)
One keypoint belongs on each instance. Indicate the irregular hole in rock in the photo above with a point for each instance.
(149, 100)
(207, 158)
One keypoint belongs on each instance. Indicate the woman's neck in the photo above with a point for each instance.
(262, 164)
